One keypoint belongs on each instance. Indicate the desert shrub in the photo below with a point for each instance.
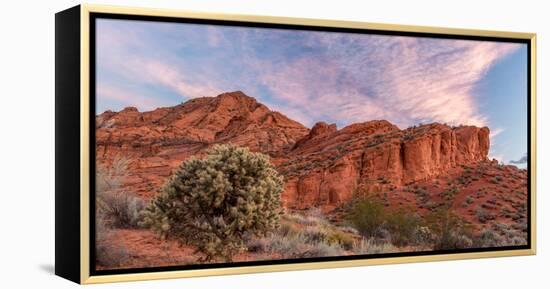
(430, 205)
(344, 240)
(488, 238)
(402, 225)
(370, 246)
(449, 194)
(450, 231)
(348, 229)
(422, 196)
(373, 222)
(368, 216)
(322, 250)
(318, 230)
(258, 245)
(315, 234)
(506, 212)
(423, 236)
(109, 178)
(408, 136)
(212, 203)
(120, 210)
(463, 180)
(483, 215)
(116, 208)
(293, 246)
(286, 229)
(300, 219)
(500, 235)
(297, 238)
(521, 225)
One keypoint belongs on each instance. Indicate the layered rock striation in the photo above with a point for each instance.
(328, 168)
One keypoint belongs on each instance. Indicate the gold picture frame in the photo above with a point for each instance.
(73, 53)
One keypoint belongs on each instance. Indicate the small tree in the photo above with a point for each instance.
(214, 202)
(368, 216)
(451, 231)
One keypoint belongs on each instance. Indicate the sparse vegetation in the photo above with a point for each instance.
(370, 246)
(449, 230)
(318, 238)
(372, 221)
(293, 246)
(107, 253)
(449, 194)
(368, 216)
(115, 208)
(403, 225)
(496, 180)
(120, 210)
(422, 195)
(483, 215)
(499, 235)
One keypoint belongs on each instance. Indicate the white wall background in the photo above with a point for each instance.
(27, 144)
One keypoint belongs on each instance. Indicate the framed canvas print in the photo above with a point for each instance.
(193, 144)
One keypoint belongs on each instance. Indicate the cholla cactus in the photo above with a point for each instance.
(213, 203)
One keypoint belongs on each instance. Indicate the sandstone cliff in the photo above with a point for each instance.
(327, 167)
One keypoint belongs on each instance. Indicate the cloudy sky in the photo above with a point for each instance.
(312, 76)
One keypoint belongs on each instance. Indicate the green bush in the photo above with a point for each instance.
(449, 230)
(368, 216)
(212, 203)
(402, 225)
(371, 220)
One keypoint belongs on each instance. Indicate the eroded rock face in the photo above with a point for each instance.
(321, 166)
(376, 156)
(157, 141)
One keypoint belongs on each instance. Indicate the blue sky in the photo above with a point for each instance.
(319, 76)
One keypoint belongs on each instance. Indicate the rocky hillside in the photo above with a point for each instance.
(323, 166)
(157, 141)
(328, 165)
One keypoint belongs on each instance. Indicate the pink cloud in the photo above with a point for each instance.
(158, 72)
(127, 97)
(126, 52)
(351, 78)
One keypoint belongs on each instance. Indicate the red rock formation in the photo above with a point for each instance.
(375, 156)
(157, 141)
(322, 166)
